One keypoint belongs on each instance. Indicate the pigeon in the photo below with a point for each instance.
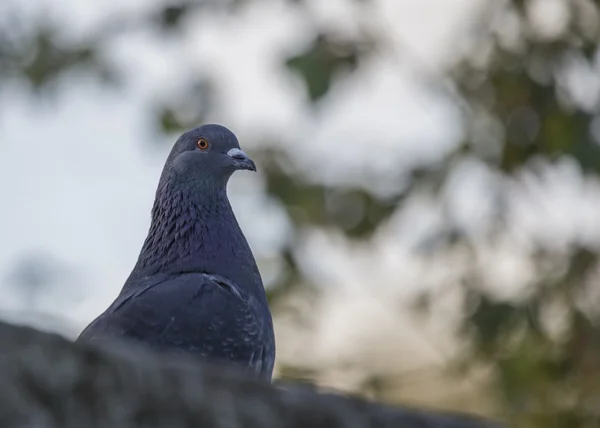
(196, 288)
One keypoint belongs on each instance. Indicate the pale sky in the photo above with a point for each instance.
(78, 180)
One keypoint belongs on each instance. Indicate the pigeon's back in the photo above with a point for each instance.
(196, 287)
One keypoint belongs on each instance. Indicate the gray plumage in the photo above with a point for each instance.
(196, 288)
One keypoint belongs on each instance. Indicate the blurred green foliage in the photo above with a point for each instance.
(514, 92)
(323, 59)
(544, 378)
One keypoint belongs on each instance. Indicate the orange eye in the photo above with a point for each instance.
(202, 143)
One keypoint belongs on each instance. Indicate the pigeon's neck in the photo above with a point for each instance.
(195, 230)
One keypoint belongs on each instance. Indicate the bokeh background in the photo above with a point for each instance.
(426, 215)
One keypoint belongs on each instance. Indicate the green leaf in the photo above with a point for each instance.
(320, 63)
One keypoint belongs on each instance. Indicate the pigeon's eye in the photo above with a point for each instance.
(202, 143)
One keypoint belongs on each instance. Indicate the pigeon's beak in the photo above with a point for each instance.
(241, 160)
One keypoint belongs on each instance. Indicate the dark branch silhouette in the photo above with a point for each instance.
(47, 381)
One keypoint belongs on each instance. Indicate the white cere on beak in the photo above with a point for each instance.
(236, 154)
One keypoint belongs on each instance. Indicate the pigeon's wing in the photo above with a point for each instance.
(202, 314)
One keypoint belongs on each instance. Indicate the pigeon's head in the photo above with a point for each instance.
(208, 153)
